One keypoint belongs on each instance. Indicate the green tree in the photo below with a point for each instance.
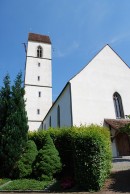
(47, 162)
(5, 109)
(15, 129)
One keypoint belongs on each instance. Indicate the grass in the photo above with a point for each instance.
(25, 184)
(3, 181)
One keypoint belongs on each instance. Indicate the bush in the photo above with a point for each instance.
(92, 156)
(62, 140)
(85, 153)
(24, 165)
(38, 137)
(47, 162)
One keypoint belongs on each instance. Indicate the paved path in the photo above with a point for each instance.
(122, 163)
(119, 181)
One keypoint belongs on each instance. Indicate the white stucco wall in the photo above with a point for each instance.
(34, 102)
(33, 86)
(93, 88)
(33, 71)
(64, 102)
(34, 126)
(32, 49)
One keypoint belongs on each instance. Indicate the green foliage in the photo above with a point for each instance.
(125, 129)
(26, 184)
(92, 156)
(5, 109)
(38, 137)
(63, 143)
(5, 106)
(85, 153)
(47, 162)
(23, 167)
(3, 181)
(14, 124)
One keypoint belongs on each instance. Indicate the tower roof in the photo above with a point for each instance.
(39, 38)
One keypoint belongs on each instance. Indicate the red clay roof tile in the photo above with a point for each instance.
(39, 38)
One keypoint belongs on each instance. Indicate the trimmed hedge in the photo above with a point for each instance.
(92, 156)
(85, 153)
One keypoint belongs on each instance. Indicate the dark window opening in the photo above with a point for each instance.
(38, 111)
(118, 105)
(50, 121)
(39, 94)
(39, 52)
(58, 116)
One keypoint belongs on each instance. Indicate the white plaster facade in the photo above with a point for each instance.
(91, 90)
(88, 96)
(64, 102)
(38, 81)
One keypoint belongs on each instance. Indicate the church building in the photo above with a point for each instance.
(98, 94)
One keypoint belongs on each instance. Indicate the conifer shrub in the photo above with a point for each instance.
(38, 137)
(23, 167)
(47, 162)
(62, 141)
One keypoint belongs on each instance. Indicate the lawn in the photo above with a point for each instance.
(24, 184)
(3, 181)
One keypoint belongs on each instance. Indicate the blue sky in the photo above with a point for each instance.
(78, 30)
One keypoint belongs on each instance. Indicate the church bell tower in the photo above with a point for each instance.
(38, 79)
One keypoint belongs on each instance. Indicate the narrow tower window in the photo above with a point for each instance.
(38, 111)
(118, 105)
(38, 78)
(39, 64)
(39, 94)
(39, 52)
(58, 116)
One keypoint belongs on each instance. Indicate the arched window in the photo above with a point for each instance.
(118, 105)
(39, 52)
(58, 116)
(50, 121)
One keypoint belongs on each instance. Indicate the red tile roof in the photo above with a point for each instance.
(117, 123)
(39, 38)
